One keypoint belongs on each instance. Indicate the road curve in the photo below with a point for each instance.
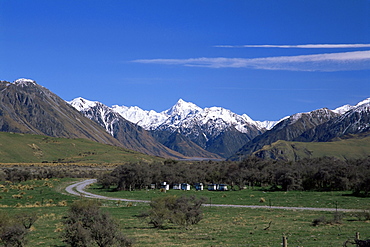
(78, 189)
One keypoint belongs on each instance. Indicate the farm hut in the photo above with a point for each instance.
(185, 186)
(222, 187)
(165, 186)
(212, 187)
(176, 187)
(198, 186)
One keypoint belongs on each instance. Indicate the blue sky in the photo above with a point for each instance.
(268, 59)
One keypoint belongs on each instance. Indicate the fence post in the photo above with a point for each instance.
(285, 242)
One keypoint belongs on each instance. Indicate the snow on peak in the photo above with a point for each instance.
(268, 124)
(182, 115)
(143, 118)
(343, 109)
(24, 82)
(82, 104)
(185, 115)
(183, 109)
(366, 101)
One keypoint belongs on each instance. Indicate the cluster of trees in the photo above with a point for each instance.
(321, 174)
(23, 173)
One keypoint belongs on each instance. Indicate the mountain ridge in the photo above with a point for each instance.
(215, 129)
(184, 130)
(26, 107)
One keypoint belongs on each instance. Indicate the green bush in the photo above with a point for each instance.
(13, 230)
(86, 225)
(183, 211)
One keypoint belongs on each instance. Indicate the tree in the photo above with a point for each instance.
(87, 224)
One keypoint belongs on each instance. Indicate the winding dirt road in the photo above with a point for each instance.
(78, 189)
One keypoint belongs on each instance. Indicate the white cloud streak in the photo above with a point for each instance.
(308, 46)
(344, 61)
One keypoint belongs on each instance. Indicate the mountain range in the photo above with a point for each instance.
(212, 132)
(183, 131)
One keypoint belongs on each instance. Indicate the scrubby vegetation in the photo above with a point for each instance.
(318, 174)
(183, 211)
(86, 225)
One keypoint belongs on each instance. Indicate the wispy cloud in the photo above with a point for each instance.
(308, 46)
(357, 60)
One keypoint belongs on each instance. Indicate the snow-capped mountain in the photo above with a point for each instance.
(287, 129)
(207, 127)
(186, 126)
(321, 125)
(180, 114)
(130, 135)
(354, 121)
(197, 125)
(23, 82)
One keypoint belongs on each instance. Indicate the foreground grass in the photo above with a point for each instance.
(220, 226)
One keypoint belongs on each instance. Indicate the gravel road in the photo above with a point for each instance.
(78, 190)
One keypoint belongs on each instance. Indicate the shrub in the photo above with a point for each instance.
(14, 229)
(337, 219)
(87, 224)
(319, 221)
(183, 211)
(364, 215)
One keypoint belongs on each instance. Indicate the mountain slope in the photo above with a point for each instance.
(354, 121)
(27, 148)
(131, 136)
(26, 107)
(288, 129)
(352, 148)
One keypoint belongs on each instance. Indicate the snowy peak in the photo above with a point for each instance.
(24, 82)
(143, 118)
(343, 109)
(364, 102)
(323, 113)
(82, 104)
(182, 115)
(183, 109)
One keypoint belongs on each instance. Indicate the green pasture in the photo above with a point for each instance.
(255, 196)
(220, 226)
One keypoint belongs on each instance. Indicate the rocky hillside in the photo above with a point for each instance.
(27, 107)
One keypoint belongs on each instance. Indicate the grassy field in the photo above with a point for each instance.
(333, 199)
(19, 148)
(220, 226)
